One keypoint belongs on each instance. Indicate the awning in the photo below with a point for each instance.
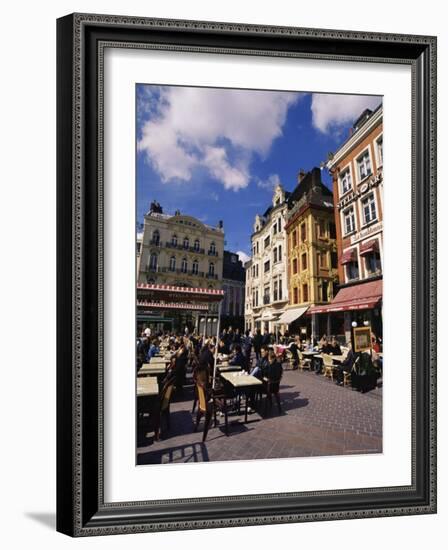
(291, 315)
(348, 256)
(171, 305)
(268, 316)
(353, 298)
(369, 246)
(169, 293)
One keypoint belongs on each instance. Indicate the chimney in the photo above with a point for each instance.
(302, 174)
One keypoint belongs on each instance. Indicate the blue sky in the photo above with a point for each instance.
(216, 154)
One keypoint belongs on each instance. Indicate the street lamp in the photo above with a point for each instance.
(354, 324)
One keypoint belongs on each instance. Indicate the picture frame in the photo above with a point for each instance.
(81, 507)
(362, 337)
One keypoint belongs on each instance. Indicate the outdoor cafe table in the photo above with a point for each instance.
(242, 383)
(147, 387)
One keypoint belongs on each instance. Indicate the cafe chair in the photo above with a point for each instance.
(208, 405)
(272, 388)
(304, 362)
(164, 410)
(328, 366)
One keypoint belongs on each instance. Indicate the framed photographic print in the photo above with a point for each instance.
(236, 282)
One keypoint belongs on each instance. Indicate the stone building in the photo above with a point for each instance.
(233, 280)
(180, 250)
(266, 271)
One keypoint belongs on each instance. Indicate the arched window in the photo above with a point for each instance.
(195, 267)
(156, 237)
(212, 248)
(174, 240)
(153, 262)
(186, 242)
(196, 244)
(173, 263)
(211, 268)
(184, 265)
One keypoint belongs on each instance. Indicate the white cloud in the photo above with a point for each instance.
(270, 182)
(214, 129)
(331, 111)
(243, 256)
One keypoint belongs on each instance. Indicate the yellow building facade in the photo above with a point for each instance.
(312, 248)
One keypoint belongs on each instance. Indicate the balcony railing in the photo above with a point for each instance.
(178, 246)
(155, 242)
(211, 276)
(212, 253)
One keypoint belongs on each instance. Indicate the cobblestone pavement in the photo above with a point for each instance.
(319, 418)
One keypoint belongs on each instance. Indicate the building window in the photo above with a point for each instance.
(334, 260)
(267, 266)
(254, 251)
(280, 289)
(369, 209)
(267, 242)
(349, 220)
(305, 293)
(279, 223)
(345, 180)
(280, 253)
(256, 270)
(258, 248)
(184, 265)
(275, 290)
(364, 167)
(372, 263)
(332, 229)
(212, 248)
(156, 237)
(139, 247)
(195, 269)
(186, 242)
(303, 232)
(296, 295)
(266, 296)
(352, 270)
(174, 240)
(324, 291)
(320, 229)
(379, 151)
(294, 238)
(153, 262)
(275, 256)
(294, 266)
(196, 244)
(211, 268)
(274, 228)
(172, 263)
(323, 260)
(304, 262)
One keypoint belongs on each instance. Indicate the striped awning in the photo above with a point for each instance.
(352, 298)
(368, 246)
(348, 256)
(169, 293)
(171, 305)
(291, 315)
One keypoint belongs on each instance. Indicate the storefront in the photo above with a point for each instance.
(360, 303)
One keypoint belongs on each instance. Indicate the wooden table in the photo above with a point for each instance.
(243, 382)
(147, 387)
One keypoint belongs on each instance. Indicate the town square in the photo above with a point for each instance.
(259, 324)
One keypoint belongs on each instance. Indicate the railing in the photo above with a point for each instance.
(155, 242)
(212, 253)
(178, 246)
(211, 276)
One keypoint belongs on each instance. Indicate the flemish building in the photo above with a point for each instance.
(233, 278)
(266, 272)
(182, 251)
(312, 252)
(357, 170)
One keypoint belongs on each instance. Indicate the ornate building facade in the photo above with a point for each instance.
(312, 250)
(180, 250)
(357, 170)
(266, 282)
(233, 280)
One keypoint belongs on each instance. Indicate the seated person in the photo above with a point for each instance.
(332, 348)
(153, 350)
(261, 364)
(346, 366)
(323, 342)
(273, 370)
(308, 346)
(238, 358)
(293, 348)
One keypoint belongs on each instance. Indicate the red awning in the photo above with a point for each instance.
(352, 298)
(168, 293)
(348, 256)
(171, 305)
(369, 246)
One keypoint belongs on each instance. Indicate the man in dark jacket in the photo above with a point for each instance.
(266, 338)
(262, 364)
(238, 359)
(246, 345)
